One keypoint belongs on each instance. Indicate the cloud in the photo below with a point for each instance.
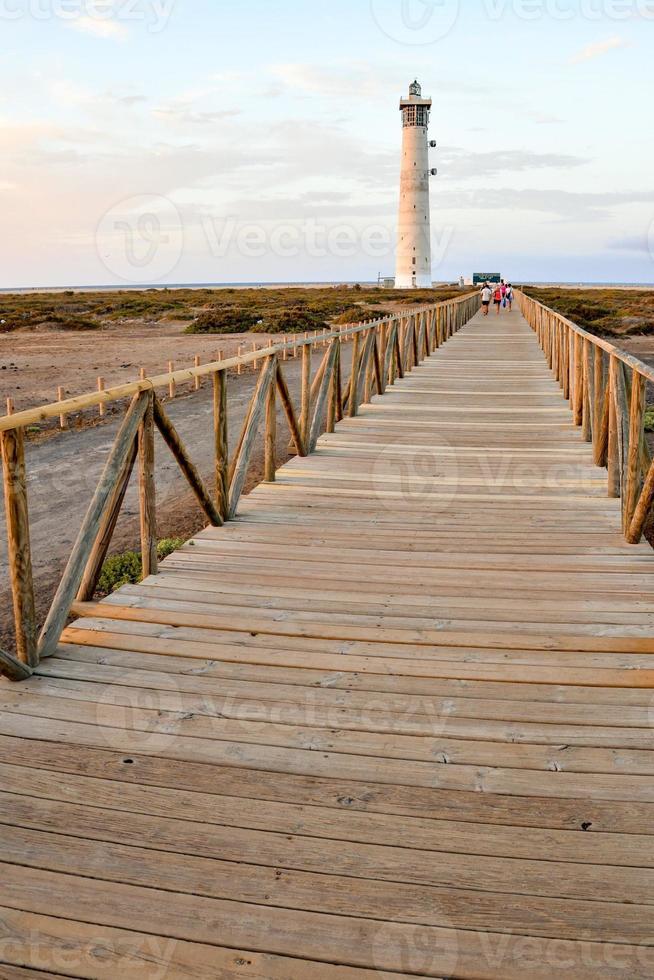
(67, 93)
(360, 80)
(598, 49)
(634, 243)
(565, 205)
(185, 115)
(459, 164)
(544, 119)
(109, 30)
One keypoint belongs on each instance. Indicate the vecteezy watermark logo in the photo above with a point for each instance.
(95, 952)
(139, 720)
(650, 239)
(100, 17)
(416, 475)
(141, 239)
(404, 948)
(415, 21)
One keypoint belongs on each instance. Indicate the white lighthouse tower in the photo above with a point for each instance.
(414, 235)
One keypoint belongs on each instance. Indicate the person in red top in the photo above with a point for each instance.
(497, 298)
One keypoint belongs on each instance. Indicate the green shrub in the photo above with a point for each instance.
(65, 322)
(649, 419)
(231, 319)
(353, 314)
(290, 320)
(127, 568)
(120, 570)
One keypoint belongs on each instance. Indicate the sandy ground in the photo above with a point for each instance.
(641, 347)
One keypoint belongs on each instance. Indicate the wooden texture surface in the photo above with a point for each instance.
(394, 720)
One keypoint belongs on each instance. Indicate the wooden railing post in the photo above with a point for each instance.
(568, 361)
(251, 427)
(270, 439)
(632, 489)
(613, 451)
(18, 544)
(221, 443)
(85, 560)
(578, 389)
(588, 391)
(147, 493)
(369, 370)
(599, 385)
(287, 404)
(353, 402)
(305, 405)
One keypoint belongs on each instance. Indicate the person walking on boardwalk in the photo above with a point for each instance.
(497, 298)
(486, 296)
(509, 297)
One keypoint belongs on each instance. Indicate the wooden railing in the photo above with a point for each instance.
(607, 389)
(382, 351)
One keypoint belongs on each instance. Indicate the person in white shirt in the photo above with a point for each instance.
(486, 296)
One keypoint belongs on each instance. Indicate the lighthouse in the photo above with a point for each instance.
(414, 235)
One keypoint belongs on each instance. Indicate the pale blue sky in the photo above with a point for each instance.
(214, 140)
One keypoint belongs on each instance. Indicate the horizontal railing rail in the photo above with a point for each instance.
(606, 388)
(382, 351)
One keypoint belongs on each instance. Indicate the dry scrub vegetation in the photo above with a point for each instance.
(606, 312)
(222, 311)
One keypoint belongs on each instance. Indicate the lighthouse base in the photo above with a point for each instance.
(413, 281)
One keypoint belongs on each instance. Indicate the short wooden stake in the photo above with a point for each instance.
(63, 421)
(101, 405)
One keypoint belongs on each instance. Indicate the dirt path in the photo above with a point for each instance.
(63, 473)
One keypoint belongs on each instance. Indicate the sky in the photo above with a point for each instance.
(197, 141)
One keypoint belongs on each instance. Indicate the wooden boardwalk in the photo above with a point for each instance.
(396, 719)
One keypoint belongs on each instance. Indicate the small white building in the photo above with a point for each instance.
(413, 269)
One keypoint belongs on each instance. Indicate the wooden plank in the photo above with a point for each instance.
(419, 708)
(96, 850)
(48, 941)
(61, 802)
(331, 939)
(555, 806)
(411, 720)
